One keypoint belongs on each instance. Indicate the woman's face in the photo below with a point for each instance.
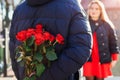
(94, 11)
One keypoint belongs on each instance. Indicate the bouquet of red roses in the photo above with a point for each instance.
(37, 50)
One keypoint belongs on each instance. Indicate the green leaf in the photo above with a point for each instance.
(34, 62)
(51, 55)
(28, 58)
(19, 57)
(38, 56)
(17, 50)
(40, 46)
(30, 41)
(28, 49)
(30, 78)
(26, 78)
(50, 48)
(39, 69)
(33, 77)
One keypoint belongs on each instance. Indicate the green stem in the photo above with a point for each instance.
(48, 63)
(24, 43)
(44, 50)
(35, 48)
(54, 43)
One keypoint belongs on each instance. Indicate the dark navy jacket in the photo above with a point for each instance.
(107, 40)
(66, 17)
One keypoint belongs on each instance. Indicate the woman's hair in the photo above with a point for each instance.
(103, 14)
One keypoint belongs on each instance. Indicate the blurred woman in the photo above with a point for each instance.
(105, 49)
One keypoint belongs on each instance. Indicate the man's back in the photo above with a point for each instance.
(58, 16)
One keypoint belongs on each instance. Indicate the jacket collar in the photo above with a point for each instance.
(95, 24)
(37, 2)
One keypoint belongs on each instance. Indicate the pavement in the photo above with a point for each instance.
(113, 78)
(13, 78)
(109, 78)
(10, 76)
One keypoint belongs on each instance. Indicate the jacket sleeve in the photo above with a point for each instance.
(115, 56)
(77, 53)
(12, 46)
(113, 44)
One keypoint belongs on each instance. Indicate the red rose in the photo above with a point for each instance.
(21, 36)
(46, 35)
(52, 38)
(39, 28)
(39, 39)
(60, 39)
(30, 32)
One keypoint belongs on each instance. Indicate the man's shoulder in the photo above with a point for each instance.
(72, 4)
(21, 5)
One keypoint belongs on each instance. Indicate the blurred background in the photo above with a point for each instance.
(7, 8)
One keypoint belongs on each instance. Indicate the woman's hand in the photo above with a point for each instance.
(113, 63)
